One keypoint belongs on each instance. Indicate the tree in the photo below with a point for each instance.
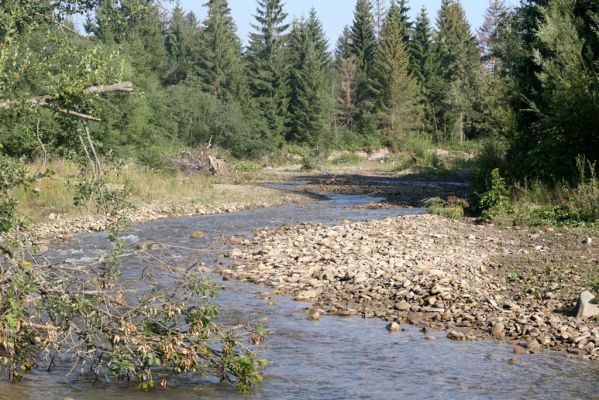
(134, 24)
(487, 34)
(221, 68)
(459, 62)
(424, 66)
(180, 43)
(380, 10)
(404, 20)
(399, 102)
(308, 83)
(363, 47)
(267, 69)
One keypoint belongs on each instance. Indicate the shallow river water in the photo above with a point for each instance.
(334, 358)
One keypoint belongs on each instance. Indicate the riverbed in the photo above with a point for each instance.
(333, 358)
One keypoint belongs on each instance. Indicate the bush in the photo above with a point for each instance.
(452, 208)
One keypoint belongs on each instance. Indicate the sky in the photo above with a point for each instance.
(334, 14)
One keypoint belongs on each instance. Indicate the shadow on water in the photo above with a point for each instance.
(334, 358)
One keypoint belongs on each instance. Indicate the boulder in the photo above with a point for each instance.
(587, 306)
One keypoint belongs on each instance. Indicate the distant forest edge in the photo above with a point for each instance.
(529, 80)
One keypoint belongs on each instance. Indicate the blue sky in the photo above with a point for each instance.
(334, 14)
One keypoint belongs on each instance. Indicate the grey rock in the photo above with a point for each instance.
(587, 306)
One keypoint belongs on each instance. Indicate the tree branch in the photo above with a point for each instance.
(45, 101)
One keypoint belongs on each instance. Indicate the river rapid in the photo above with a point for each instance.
(333, 358)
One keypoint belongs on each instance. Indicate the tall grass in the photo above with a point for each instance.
(54, 194)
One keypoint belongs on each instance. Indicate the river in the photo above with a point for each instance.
(334, 358)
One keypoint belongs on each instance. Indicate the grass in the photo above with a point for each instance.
(452, 208)
(54, 194)
(561, 203)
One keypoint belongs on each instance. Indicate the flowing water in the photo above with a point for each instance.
(334, 358)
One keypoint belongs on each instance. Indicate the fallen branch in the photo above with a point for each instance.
(46, 101)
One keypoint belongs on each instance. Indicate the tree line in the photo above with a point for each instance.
(528, 77)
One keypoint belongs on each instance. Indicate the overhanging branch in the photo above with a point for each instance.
(46, 101)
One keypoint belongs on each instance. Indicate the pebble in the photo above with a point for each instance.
(393, 327)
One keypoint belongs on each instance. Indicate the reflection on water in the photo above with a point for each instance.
(334, 358)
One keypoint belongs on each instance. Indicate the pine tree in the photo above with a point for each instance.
(363, 47)
(399, 102)
(267, 69)
(487, 34)
(221, 68)
(459, 62)
(308, 83)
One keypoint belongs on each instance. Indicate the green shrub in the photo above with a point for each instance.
(246, 166)
(452, 208)
(494, 201)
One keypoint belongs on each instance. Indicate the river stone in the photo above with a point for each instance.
(587, 306)
(498, 331)
(455, 335)
(393, 327)
(306, 295)
(403, 306)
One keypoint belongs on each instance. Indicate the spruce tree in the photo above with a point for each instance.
(398, 94)
(180, 42)
(424, 67)
(308, 84)
(487, 34)
(380, 10)
(267, 68)
(459, 61)
(346, 82)
(405, 23)
(221, 68)
(363, 47)
(344, 47)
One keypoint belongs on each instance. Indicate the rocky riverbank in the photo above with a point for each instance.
(456, 276)
(58, 227)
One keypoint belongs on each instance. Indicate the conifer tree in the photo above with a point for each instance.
(221, 68)
(459, 62)
(487, 34)
(267, 68)
(363, 47)
(346, 82)
(398, 94)
(308, 82)
(344, 47)
(135, 24)
(424, 67)
(180, 42)
(405, 23)
(380, 10)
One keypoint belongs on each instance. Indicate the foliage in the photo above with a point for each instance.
(309, 91)
(398, 92)
(452, 208)
(495, 201)
(267, 69)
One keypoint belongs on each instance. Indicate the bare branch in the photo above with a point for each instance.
(45, 101)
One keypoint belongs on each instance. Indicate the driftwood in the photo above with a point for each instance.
(47, 100)
(200, 161)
